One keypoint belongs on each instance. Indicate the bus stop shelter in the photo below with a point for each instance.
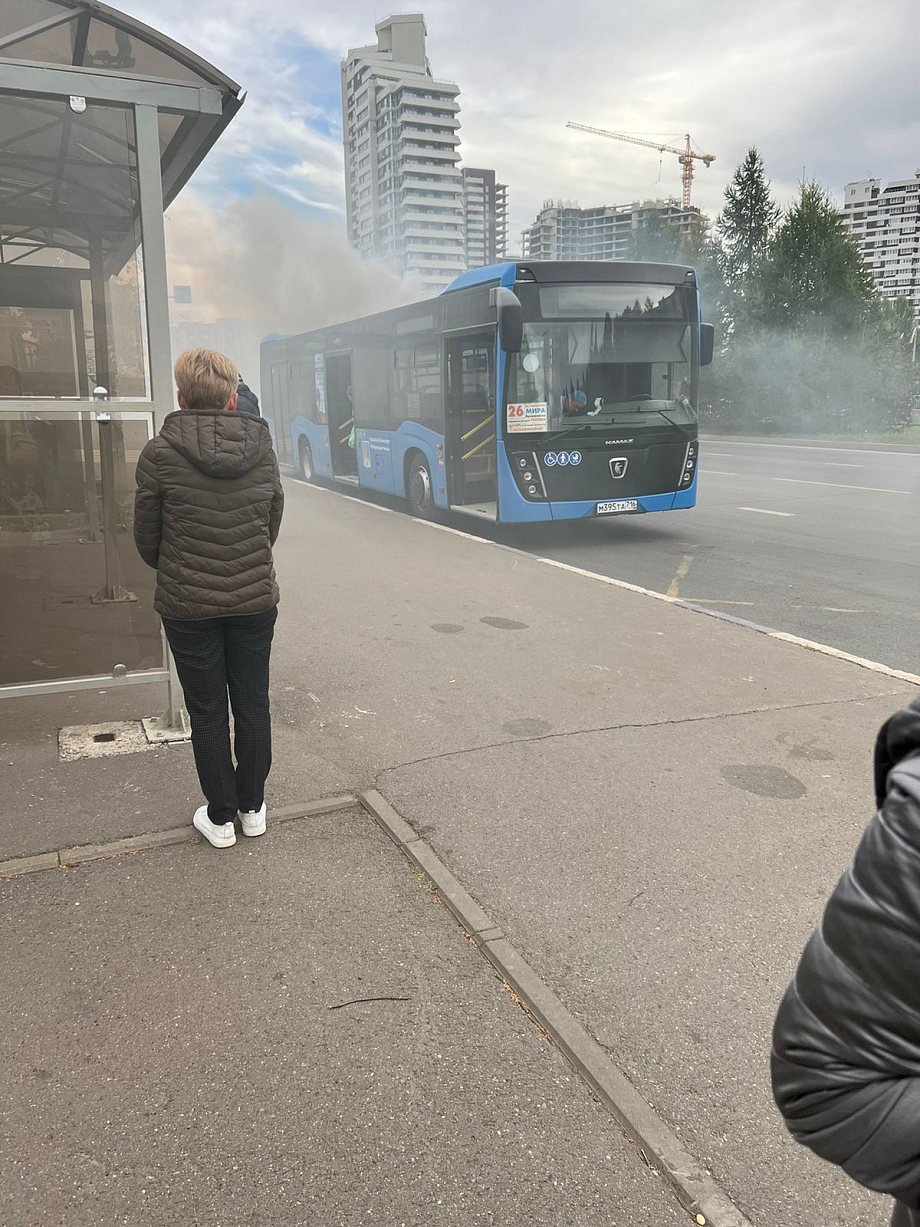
(102, 122)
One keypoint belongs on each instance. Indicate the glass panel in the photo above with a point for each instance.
(49, 47)
(595, 301)
(38, 352)
(71, 605)
(71, 268)
(636, 371)
(18, 15)
(109, 47)
(168, 125)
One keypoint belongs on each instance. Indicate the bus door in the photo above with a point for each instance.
(471, 422)
(341, 416)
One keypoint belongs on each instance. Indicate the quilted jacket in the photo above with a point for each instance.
(207, 512)
(846, 1044)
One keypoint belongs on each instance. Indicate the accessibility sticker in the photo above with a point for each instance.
(525, 419)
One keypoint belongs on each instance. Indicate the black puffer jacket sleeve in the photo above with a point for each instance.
(277, 508)
(846, 1044)
(148, 506)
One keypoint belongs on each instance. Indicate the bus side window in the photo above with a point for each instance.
(428, 387)
(416, 385)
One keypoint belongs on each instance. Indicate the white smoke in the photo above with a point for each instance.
(257, 266)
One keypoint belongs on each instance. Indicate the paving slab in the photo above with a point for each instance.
(186, 1040)
(664, 881)
(51, 804)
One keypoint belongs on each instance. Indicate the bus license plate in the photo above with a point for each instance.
(621, 507)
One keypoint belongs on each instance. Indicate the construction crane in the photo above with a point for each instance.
(685, 156)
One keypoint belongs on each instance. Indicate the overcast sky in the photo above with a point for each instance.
(828, 88)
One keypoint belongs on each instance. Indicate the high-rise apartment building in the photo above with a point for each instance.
(403, 187)
(485, 214)
(564, 231)
(886, 228)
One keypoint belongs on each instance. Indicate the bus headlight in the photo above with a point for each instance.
(526, 469)
(690, 460)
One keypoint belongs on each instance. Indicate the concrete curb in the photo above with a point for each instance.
(821, 648)
(70, 858)
(662, 1149)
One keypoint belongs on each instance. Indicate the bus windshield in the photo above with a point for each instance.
(606, 353)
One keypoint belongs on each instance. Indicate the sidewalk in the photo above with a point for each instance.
(179, 1048)
(652, 804)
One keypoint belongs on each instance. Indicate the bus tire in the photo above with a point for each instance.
(307, 472)
(419, 488)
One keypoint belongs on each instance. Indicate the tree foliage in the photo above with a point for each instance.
(807, 342)
(815, 279)
(747, 223)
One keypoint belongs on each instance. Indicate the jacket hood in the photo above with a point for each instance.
(898, 737)
(217, 442)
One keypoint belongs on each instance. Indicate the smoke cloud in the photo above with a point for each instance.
(256, 266)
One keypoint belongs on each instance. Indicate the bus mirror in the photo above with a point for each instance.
(707, 343)
(510, 319)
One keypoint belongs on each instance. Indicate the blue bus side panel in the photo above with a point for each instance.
(382, 458)
(318, 439)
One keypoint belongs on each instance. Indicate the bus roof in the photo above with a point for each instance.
(551, 272)
(511, 273)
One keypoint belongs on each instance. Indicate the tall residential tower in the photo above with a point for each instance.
(885, 225)
(403, 187)
(485, 211)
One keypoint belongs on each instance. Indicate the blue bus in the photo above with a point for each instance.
(524, 392)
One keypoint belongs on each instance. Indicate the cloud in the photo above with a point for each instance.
(824, 86)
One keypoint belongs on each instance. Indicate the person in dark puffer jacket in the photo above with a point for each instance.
(247, 401)
(207, 512)
(846, 1044)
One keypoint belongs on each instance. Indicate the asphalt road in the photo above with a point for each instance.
(821, 541)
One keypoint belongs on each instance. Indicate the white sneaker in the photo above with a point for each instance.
(253, 823)
(218, 836)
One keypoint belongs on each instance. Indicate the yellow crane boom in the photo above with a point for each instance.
(686, 156)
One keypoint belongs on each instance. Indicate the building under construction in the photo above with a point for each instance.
(565, 231)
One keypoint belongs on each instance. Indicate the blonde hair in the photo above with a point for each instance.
(205, 378)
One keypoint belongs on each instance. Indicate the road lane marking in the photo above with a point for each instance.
(721, 455)
(686, 563)
(763, 511)
(711, 600)
(839, 464)
(716, 473)
(847, 451)
(801, 481)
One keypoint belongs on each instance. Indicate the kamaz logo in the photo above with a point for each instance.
(617, 442)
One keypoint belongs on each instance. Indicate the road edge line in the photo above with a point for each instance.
(86, 854)
(823, 649)
(695, 1188)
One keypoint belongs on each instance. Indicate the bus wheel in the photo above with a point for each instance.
(419, 488)
(306, 463)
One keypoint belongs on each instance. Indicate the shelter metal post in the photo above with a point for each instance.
(174, 723)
